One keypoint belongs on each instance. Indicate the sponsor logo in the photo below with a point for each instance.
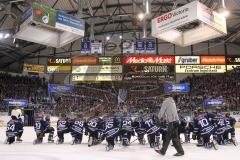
(212, 59)
(59, 61)
(171, 15)
(149, 60)
(232, 60)
(200, 68)
(156, 69)
(84, 60)
(187, 60)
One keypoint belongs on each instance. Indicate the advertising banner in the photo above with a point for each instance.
(96, 48)
(150, 46)
(70, 23)
(84, 60)
(15, 102)
(213, 102)
(200, 68)
(212, 59)
(128, 47)
(187, 60)
(140, 46)
(107, 60)
(97, 78)
(148, 60)
(176, 88)
(159, 72)
(233, 67)
(44, 15)
(56, 88)
(85, 47)
(59, 61)
(233, 60)
(58, 69)
(33, 68)
(85, 69)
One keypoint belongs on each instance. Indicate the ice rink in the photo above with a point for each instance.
(27, 151)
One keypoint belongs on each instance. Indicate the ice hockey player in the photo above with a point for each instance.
(203, 128)
(39, 127)
(182, 126)
(230, 129)
(77, 128)
(19, 135)
(49, 129)
(111, 130)
(219, 122)
(152, 131)
(13, 128)
(63, 127)
(139, 127)
(94, 127)
(126, 129)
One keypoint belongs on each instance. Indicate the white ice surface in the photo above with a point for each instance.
(27, 151)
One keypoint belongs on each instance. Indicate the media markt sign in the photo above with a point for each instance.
(43, 14)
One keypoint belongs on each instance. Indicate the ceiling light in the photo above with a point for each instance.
(120, 37)
(108, 38)
(141, 16)
(7, 35)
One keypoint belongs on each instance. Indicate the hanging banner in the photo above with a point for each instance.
(176, 88)
(15, 102)
(97, 78)
(200, 68)
(84, 60)
(212, 59)
(187, 59)
(96, 48)
(59, 61)
(44, 15)
(70, 23)
(85, 47)
(158, 72)
(59, 69)
(128, 47)
(148, 60)
(97, 69)
(233, 60)
(33, 68)
(150, 46)
(140, 46)
(56, 88)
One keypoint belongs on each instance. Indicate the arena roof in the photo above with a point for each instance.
(108, 16)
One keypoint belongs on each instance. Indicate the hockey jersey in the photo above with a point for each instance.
(62, 125)
(78, 126)
(111, 126)
(13, 128)
(39, 125)
(202, 124)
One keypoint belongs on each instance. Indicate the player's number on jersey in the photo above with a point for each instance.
(109, 125)
(204, 122)
(38, 125)
(221, 123)
(92, 124)
(62, 123)
(11, 127)
(149, 122)
(127, 123)
(79, 123)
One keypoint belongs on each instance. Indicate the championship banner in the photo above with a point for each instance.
(59, 69)
(212, 59)
(56, 88)
(97, 69)
(148, 60)
(187, 59)
(128, 47)
(140, 46)
(17, 103)
(33, 68)
(97, 78)
(213, 102)
(150, 46)
(96, 48)
(233, 60)
(200, 68)
(59, 61)
(85, 47)
(84, 60)
(159, 72)
(176, 88)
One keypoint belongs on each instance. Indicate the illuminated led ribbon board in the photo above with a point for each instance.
(169, 26)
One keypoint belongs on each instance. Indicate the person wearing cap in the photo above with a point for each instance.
(168, 113)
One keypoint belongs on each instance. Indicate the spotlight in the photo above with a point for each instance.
(7, 35)
(1, 36)
(108, 38)
(120, 37)
(141, 16)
